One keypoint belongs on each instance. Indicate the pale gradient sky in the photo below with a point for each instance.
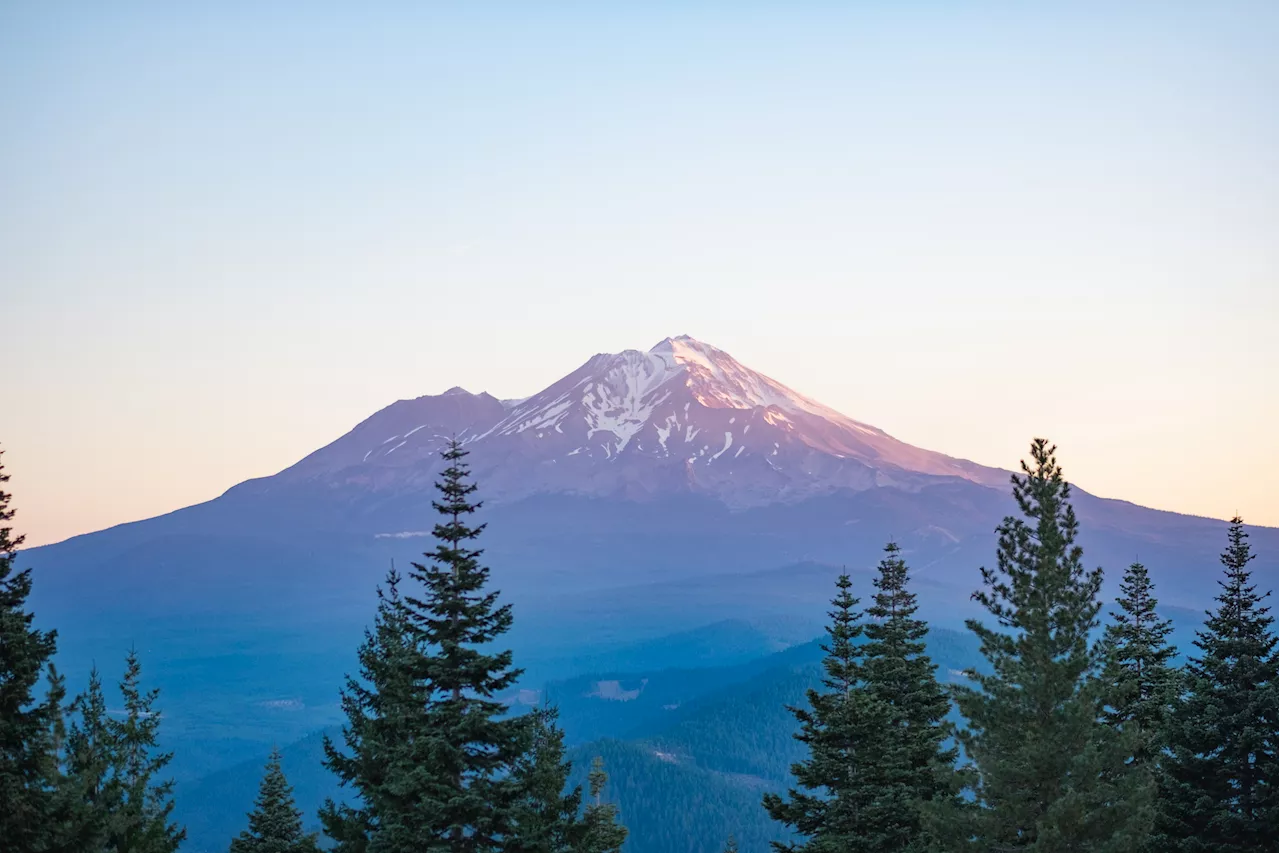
(231, 231)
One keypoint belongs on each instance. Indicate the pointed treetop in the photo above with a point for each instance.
(275, 824)
(1240, 615)
(9, 543)
(30, 724)
(1222, 761)
(601, 831)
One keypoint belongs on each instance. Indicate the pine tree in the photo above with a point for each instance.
(61, 821)
(1220, 791)
(829, 807)
(545, 819)
(731, 845)
(275, 824)
(142, 806)
(90, 758)
(913, 770)
(1051, 775)
(28, 759)
(601, 831)
(471, 748)
(432, 754)
(110, 800)
(1140, 684)
(380, 707)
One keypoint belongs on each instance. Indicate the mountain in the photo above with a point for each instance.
(682, 417)
(644, 495)
(636, 467)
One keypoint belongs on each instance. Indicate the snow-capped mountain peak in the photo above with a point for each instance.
(611, 393)
(684, 415)
(718, 380)
(693, 411)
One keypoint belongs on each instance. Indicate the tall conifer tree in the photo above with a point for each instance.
(141, 803)
(1050, 774)
(275, 824)
(876, 735)
(110, 800)
(431, 753)
(28, 759)
(1141, 684)
(469, 748)
(601, 831)
(828, 808)
(90, 758)
(381, 706)
(545, 818)
(912, 769)
(1221, 775)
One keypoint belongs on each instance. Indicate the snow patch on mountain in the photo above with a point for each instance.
(664, 432)
(720, 381)
(615, 394)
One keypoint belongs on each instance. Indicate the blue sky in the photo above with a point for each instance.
(230, 231)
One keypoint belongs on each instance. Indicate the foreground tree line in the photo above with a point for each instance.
(429, 749)
(74, 778)
(1064, 741)
(431, 754)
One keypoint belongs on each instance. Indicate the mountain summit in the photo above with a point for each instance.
(684, 416)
